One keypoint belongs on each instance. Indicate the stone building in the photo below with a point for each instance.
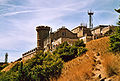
(101, 31)
(83, 33)
(50, 40)
(58, 37)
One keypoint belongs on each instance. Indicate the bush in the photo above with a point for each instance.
(42, 66)
(79, 43)
(115, 41)
(67, 52)
(3, 66)
(9, 76)
(115, 38)
(81, 50)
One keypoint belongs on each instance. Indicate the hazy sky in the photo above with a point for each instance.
(18, 19)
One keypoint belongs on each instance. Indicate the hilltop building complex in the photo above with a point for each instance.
(47, 40)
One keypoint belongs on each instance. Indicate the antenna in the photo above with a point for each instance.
(90, 13)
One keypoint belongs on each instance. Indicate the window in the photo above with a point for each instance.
(63, 33)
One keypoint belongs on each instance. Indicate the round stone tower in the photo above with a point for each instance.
(42, 34)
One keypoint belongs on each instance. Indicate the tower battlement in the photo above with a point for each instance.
(42, 28)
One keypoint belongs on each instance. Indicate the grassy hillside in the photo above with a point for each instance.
(9, 66)
(97, 64)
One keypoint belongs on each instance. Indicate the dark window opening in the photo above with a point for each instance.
(63, 33)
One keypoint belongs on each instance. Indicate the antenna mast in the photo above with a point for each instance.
(90, 13)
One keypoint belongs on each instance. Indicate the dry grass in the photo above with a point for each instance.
(80, 69)
(111, 63)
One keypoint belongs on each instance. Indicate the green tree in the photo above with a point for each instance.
(6, 57)
(68, 52)
(115, 38)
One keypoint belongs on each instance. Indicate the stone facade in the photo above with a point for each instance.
(58, 37)
(63, 32)
(29, 54)
(86, 38)
(61, 40)
(101, 30)
(83, 33)
(42, 34)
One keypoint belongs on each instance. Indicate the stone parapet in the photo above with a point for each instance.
(29, 52)
(42, 28)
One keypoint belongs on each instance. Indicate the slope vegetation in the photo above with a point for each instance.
(98, 64)
(9, 66)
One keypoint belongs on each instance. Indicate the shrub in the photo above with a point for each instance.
(3, 66)
(15, 67)
(42, 66)
(115, 38)
(79, 43)
(81, 50)
(67, 52)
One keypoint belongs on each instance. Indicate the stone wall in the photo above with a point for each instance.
(86, 38)
(61, 40)
(29, 54)
(100, 30)
(56, 37)
(97, 31)
(106, 29)
(81, 31)
(47, 43)
(78, 30)
(63, 32)
(42, 34)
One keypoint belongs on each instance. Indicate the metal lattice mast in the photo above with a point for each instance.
(90, 13)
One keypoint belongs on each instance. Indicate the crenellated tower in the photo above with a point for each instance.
(42, 34)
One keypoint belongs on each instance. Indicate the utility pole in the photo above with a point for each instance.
(6, 57)
(90, 13)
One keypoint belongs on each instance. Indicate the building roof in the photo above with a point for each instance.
(78, 27)
(62, 28)
(99, 26)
